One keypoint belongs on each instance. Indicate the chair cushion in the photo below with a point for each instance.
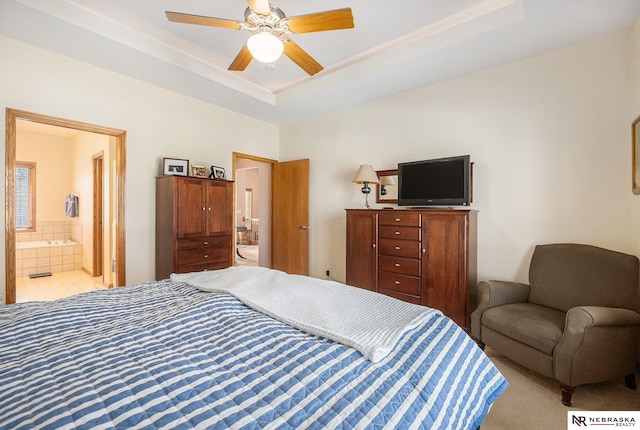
(565, 275)
(534, 325)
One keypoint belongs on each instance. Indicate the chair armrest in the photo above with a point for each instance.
(581, 317)
(595, 338)
(496, 293)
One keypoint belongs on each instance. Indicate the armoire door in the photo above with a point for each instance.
(218, 197)
(444, 266)
(362, 270)
(192, 206)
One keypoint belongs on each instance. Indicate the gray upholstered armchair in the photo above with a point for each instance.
(577, 321)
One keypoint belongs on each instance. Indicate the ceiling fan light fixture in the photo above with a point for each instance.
(265, 47)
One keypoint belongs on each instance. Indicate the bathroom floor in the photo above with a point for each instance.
(58, 285)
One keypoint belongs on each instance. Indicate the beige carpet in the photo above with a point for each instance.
(532, 402)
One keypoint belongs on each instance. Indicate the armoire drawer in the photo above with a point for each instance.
(400, 283)
(400, 296)
(213, 265)
(399, 218)
(203, 243)
(399, 232)
(403, 266)
(203, 256)
(400, 248)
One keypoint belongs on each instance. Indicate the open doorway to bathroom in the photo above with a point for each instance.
(252, 176)
(66, 227)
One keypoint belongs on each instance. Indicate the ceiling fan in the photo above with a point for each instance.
(270, 28)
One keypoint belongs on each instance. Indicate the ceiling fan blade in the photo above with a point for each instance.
(261, 7)
(338, 19)
(301, 58)
(202, 20)
(242, 60)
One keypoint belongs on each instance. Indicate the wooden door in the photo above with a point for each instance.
(362, 249)
(290, 217)
(444, 266)
(218, 208)
(191, 207)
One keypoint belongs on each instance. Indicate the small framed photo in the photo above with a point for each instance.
(199, 171)
(175, 166)
(635, 154)
(217, 172)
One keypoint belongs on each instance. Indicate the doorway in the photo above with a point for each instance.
(119, 138)
(252, 220)
(284, 192)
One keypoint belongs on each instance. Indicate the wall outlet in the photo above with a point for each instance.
(328, 272)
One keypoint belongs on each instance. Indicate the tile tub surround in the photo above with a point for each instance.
(53, 258)
(47, 257)
(53, 230)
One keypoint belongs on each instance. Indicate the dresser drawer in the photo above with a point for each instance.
(399, 283)
(399, 232)
(201, 243)
(400, 296)
(404, 266)
(214, 265)
(202, 256)
(400, 248)
(399, 218)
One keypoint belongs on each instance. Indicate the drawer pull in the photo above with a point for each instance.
(397, 220)
(397, 248)
(206, 243)
(397, 264)
(396, 282)
(397, 232)
(206, 255)
(203, 208)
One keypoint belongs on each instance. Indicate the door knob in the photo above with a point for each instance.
(304, 227)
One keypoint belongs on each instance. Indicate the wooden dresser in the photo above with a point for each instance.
(194, 224)
(422, 256)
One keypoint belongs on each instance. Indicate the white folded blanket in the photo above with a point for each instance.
(369, 322)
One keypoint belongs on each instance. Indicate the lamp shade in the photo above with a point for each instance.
(366, 174)
(387, 180)
(265, 47)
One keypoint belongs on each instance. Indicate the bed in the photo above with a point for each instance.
(202, 351)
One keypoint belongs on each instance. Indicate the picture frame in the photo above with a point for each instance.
(175, 166)
(217, 173)
(198, 171)
(635, 155)
(387, 189)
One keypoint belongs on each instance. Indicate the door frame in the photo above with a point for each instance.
(97, 170)
(234, 165)
(12, 115)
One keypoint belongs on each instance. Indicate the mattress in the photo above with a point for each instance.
(167, 355)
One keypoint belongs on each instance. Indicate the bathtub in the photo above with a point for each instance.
(44, 243)
(60, 255)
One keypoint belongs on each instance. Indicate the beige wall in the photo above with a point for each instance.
(549, 136)
(159, 123)
(53, 156)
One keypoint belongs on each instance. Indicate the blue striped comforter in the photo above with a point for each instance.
(163, 355)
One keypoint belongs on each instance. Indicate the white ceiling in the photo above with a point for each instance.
(393, 48)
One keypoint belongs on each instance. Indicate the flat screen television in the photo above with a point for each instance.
(436, 182)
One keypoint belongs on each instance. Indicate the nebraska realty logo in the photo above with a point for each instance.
(582, 419)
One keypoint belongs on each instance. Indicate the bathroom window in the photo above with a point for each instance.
(25, 200)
